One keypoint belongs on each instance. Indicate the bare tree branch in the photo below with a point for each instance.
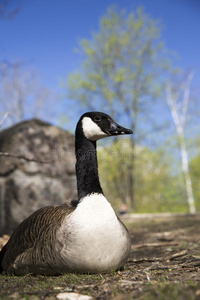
(7, 12)
(186, 96)
(4, 118)
(22, 92)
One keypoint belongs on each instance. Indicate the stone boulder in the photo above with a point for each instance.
(26, 186)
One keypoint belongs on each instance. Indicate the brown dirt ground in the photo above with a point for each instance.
(164, 264)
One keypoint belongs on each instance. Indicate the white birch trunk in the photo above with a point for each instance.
(179, 121)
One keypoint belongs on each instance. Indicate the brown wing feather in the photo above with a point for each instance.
(32, 229)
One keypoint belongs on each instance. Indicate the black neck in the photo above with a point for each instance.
(86, 166)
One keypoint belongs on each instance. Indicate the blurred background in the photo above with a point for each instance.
(137, 60)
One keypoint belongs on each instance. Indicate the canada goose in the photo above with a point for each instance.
(83, 236)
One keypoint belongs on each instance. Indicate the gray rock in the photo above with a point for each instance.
(26, 186)
(73, 296)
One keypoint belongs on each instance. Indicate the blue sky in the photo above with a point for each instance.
(46, 32)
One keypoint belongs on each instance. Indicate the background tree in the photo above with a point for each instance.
(195, 175)
(22, 94)
(122, 72)
(9, 9)
(178, 97)
(158, 188)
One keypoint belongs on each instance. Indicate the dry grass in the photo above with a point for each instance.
(164, 264)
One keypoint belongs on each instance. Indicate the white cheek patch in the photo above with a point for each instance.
(91, 130)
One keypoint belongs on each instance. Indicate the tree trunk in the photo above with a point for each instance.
(179, 121)
(186, 172)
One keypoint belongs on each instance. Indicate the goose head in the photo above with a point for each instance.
(98, 125)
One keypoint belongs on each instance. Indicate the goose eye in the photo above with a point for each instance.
(97, 118)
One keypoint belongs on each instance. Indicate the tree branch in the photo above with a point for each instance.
(4, 118)
(186, 95)
(179, 121)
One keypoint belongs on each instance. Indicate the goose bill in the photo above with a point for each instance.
(117, 129)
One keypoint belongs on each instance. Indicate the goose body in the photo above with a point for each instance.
(82, 236)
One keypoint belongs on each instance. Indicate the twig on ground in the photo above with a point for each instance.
(154, 245)
(141, 260)
(177, 255)
(191, 263)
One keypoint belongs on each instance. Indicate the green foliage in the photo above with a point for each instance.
(172, 291)
(156, 189)
(195, 175)
(122, 74)
(114, 163)
(121, 65)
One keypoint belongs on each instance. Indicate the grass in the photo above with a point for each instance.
(177, 279)
(172, 291)
(14, 287)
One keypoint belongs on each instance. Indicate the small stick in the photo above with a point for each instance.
(176, 255)
(154, 245)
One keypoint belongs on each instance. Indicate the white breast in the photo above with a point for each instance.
(94, 240)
